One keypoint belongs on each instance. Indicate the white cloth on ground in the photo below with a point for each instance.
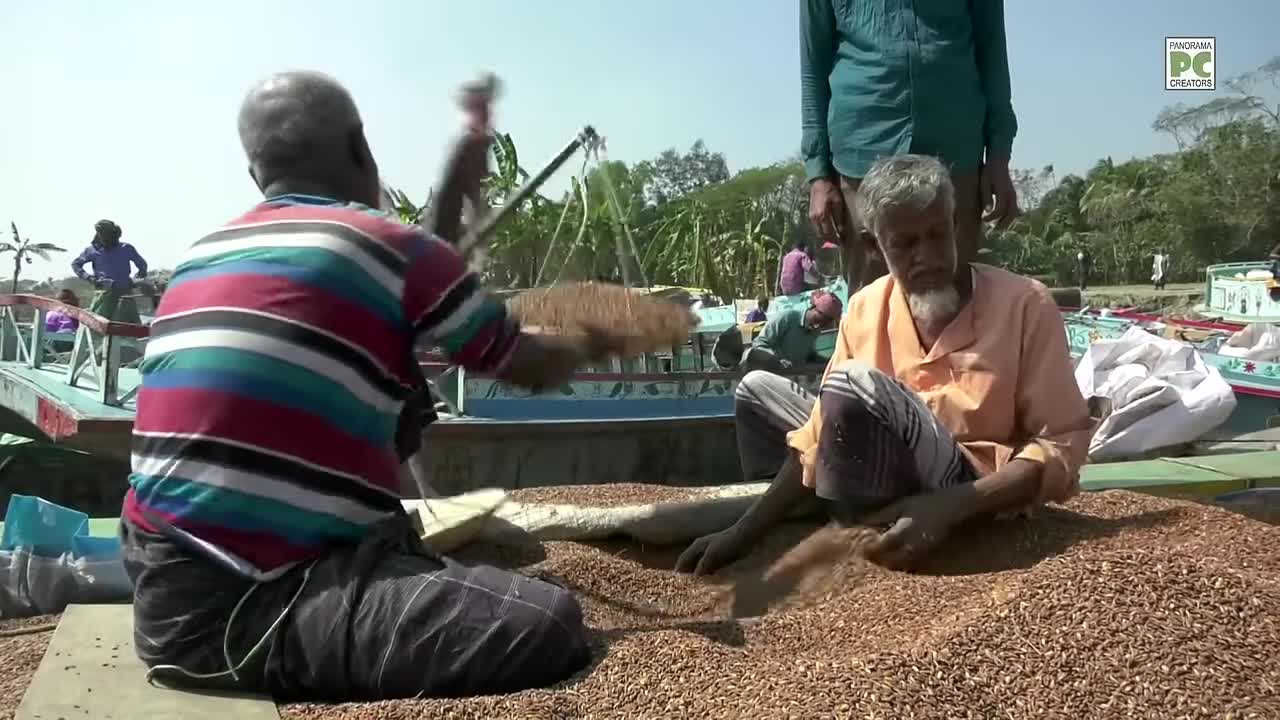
(1161, 391)
(1258, 341)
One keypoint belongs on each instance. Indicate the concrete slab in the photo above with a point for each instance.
(90, 671)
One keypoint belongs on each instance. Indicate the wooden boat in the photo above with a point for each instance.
(1241, 293)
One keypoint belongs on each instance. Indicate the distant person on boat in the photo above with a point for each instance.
(263, 529)
(1084, 266)
(795, 273)
(57, 321)
(878, 79)
(111, 261)
(942, 403)
(789, 337)
(758, 313)
(1159, 269)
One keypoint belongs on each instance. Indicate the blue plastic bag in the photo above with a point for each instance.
(44, 527)
(48, 559)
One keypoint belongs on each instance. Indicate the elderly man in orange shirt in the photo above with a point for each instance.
(942, 403)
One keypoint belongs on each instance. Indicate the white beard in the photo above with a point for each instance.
(935, 308)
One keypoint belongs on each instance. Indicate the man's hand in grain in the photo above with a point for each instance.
(916, 525)
(711, 552)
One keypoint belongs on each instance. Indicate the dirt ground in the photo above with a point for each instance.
(1175, 299)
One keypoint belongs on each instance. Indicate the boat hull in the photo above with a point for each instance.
(463, 454)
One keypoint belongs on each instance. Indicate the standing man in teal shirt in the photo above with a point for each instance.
(885, 77)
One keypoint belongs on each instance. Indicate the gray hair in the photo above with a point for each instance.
(903, 181)
(294, 121)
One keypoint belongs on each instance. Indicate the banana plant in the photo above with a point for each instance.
(24, 250)
(405, 209)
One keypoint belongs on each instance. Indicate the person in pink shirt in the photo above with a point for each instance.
(796, 266)
(59, 321)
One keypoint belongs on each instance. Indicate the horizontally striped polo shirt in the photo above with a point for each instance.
(278, 362)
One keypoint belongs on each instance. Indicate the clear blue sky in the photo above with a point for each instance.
(126, 109)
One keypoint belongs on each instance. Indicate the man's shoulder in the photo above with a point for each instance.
(790, 316)
(1011, 286)
(350, 219)
(874, 292)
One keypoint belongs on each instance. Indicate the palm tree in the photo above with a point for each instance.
(23, 249)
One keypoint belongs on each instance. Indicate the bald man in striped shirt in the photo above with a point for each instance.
(263, 527)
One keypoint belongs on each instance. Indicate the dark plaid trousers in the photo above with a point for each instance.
(380, 619)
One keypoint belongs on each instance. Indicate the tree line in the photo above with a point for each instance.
(683, 219)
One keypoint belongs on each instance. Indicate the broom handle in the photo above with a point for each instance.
(485, 227)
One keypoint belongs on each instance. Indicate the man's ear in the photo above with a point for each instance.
(256, 182)
(361, 155)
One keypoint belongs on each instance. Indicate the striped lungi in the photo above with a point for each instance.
(879, 441)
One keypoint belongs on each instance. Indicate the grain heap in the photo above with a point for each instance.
(1118, 605)
(22, 645)
(641, 323)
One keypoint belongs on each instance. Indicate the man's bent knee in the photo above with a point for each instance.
(754, 384)
(857, 376)
(553, 635)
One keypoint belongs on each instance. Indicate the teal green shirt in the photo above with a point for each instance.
(884, 77)
(786, 337)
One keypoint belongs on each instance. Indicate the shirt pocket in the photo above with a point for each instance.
(862, 19)
(975, 405)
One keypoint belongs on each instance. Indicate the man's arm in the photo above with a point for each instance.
(785, 494)
(77, 265)
(992, 55)
(446, 303)
(138, 261)
(817, 58)
(778, 327)
(1052, 415)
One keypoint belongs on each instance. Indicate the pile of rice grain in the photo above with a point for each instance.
(638, 322)
(1119, 605)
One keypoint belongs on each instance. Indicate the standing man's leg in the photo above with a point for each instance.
(968, 225)
(863, 264)
(105, 302)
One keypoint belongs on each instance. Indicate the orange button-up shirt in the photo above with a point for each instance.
(999, 378)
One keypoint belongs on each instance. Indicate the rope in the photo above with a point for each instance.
(615, 206)
(555, 237)
(30, 630)
(581, 228)
(581, 187)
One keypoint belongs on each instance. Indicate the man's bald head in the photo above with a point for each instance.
(301, 132)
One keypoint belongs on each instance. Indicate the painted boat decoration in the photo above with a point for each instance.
(1241, 293)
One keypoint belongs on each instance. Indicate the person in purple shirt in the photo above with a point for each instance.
(758, 314)
(796, 266)
(57, 321)
(111, 260)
